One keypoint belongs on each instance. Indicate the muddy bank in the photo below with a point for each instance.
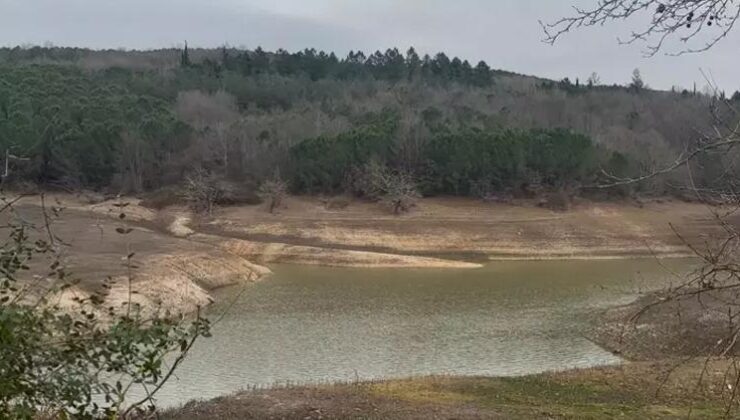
(438, 233)
(181, 256)
(273, 252)
(166, 273)
(653, 329)
(465, 229)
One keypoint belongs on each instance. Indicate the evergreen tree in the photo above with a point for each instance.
(456, 70)
(260, 62)
(395, 65)
(467, 72)
(427, 66)
(185, 57)
(482, 74)
(225, 58)
(413, 64)
(441, 66)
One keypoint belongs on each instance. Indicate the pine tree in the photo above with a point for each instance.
(482, 74)
(225, 58)
(185, 56)
(413, 64)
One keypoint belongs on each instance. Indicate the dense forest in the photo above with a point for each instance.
(135, 121)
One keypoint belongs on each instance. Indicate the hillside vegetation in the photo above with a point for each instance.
(142, 120)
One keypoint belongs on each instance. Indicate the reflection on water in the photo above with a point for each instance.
(314, 324)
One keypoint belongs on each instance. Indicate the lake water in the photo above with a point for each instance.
(317, 324)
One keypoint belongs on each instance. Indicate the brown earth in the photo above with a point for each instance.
(652, 328)
(167, 273)
(446, 231)
(472, 230)
(181, 257)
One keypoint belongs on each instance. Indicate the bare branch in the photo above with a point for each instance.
(682, 20)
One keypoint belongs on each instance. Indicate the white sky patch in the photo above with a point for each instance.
(504, 33)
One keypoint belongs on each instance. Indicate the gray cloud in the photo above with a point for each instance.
(505, 33)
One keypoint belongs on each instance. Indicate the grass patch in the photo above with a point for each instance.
(576, 394)
(624, 392)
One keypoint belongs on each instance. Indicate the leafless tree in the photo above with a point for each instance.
(721, 140)
(202, 191)
(395, 189)
(212, 115)
(274, 191)
(683, 20)
(637, 83)
(593, 79)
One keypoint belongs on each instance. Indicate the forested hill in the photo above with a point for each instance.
(135, 121)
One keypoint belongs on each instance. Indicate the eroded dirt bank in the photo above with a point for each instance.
(468, 230)
(180, 257)
(166, 273)
(653, 328)
(440, 232)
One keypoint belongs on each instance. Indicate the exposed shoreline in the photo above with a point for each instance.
(186, 256)
(169, 274)
(466, 230)
(440, 230)
(624, 391)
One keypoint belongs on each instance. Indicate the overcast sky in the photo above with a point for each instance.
(505, 33)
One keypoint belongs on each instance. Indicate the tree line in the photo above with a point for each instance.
(459, 161)
(84, 130)
(390, 65)
(237, 115)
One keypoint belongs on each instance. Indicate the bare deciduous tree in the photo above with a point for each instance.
(273, 191)
(637, 83)
(212, 115)
(683, 20)
(396, 189)
(202, 191)
(593, 79)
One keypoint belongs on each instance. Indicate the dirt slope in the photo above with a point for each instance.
(471, 230)
(168, 273)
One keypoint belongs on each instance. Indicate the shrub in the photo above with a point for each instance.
(81, 361)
